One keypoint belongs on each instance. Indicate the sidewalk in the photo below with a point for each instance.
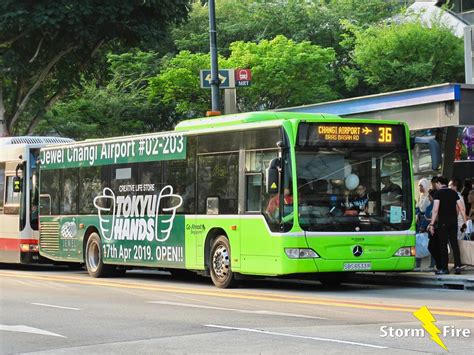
(465, 281)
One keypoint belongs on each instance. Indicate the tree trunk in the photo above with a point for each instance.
(39, 81)
(3, 120)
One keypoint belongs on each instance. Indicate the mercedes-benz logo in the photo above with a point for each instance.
(357, 250)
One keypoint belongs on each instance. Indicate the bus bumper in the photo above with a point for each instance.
(29, 257)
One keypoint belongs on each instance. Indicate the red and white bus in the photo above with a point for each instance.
(19, 197)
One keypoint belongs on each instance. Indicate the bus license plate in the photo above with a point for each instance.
(357, 266)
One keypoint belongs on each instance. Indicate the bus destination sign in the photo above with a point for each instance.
(366, 134)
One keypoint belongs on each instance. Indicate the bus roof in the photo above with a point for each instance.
(250, 117)
(33, 140)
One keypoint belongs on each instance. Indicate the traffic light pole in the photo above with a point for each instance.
(213, 49)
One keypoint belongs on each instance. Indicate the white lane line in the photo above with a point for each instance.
(54, 306)
(235, 310)
(26, 329)
(296, 336)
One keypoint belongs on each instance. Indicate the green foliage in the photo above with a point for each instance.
(46, 45)
(299, 20)
(400, 56)
(284, 73)
(178, 85)
(320, 22)
(120, 107)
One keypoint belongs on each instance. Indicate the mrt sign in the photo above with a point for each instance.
(243, 77)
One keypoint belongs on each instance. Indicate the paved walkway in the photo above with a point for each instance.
(465, 281)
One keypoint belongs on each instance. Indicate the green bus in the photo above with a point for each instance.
(261, 193)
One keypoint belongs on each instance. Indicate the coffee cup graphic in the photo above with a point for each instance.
(164, 224)
(106, 214)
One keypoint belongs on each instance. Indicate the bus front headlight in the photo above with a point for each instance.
(300, 253)
(405, 251)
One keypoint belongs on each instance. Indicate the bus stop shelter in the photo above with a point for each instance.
(444, 111)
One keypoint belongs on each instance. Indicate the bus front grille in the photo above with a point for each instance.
(49, 236)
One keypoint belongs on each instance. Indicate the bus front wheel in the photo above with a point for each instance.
(94, 261)
(221, 273)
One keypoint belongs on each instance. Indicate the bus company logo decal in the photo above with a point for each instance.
(196, 228)
(428, 321)
(136, 217)
(357, 250)
(69, 230)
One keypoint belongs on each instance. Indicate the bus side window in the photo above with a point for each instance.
(49, 193)
(256, 161)
(218, 177)
(69, 191)
(90, 184)
(254, 192)
(12, 198)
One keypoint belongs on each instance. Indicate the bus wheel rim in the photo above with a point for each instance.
(221, 262)
(93, 256)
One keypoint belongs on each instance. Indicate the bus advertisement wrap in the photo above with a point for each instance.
(155, 148)
(134, 230)
(140, 227)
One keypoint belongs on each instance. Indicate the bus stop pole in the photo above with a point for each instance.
(213, 49)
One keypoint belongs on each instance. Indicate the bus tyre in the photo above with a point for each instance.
(94, 263)
(221, 273)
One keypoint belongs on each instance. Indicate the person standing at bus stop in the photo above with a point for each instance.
(445, 211)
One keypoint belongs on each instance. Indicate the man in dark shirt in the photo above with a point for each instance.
(445, 213)
(390, 191)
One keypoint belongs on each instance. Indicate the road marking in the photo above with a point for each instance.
(235, 310)
(26, 329)
(296, 336)
(54, 306)
(272, 297)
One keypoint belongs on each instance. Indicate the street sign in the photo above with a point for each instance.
(243, 77)
(226, 77)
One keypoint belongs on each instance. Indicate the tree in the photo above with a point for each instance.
(45, 45)
(121, 106)
(252, 21)
(178, 84)
(399, 56)
(321, 22)
(284, 73)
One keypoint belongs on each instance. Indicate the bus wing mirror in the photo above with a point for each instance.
(435, 150)
(272, 177)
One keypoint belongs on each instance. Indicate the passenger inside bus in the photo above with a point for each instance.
(390, 191)
(273, 207)
(358, 203)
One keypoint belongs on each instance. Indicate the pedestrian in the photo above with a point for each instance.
(467, 187)
(445, 212)
(454, 185)
(422, 202)
(470, 197)
(434, 180)
(424, 222)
